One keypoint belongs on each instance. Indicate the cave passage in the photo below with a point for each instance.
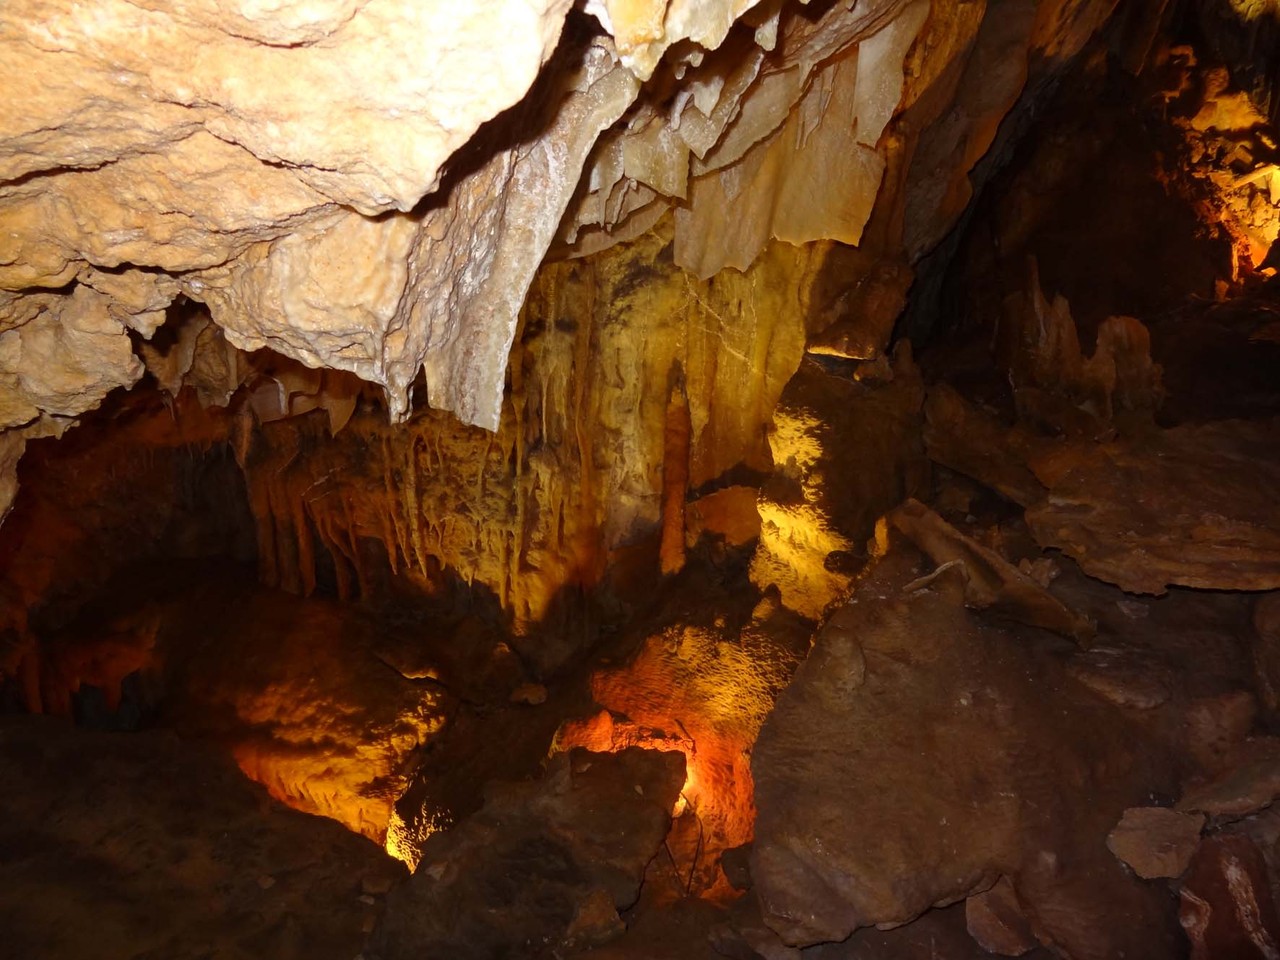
(874, 553)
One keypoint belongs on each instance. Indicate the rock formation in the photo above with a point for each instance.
(353, 185)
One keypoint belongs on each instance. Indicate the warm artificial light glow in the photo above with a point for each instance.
(404, 840)
(704, 692)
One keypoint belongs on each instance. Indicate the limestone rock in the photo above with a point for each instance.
(1227, 909)
(576, 469)
(995, 920)
(1187, 506)
(844, 453)
(999, 762)
(1156, 841)
(533, 863)
(347, 183)
(146, 76)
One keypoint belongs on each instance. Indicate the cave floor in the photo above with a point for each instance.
(143, 845)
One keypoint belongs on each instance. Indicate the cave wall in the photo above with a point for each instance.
(354, 186)
(628, 377)
(548, 344)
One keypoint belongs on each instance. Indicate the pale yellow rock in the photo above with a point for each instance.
(363, 101)
(325, 294)
(798, 163)
(645, 29)
(198, 205)
(288, 163)
(459, 315)
(69, 357)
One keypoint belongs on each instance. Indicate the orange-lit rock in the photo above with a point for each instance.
(334, 737)
(543, 862)
(704, 692)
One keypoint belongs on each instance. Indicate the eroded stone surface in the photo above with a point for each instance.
(298, 168)
(844, 452)
(999, 793)
(1190, 506)
(1156, 841)
(529, 868)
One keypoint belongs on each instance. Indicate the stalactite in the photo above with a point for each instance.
(675, 474)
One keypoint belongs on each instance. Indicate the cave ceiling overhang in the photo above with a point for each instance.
(371, 185)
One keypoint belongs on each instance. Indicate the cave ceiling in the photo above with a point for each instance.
(371, 185)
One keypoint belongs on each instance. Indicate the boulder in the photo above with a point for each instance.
(917, 764)
(1156, 841)
(536, 865)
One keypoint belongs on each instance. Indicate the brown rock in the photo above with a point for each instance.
(844, 453)
(1251, 783)
(1215, 725)
(990, 582)
(1266, 650)
(967, 439)
(960, 756)
(1227, 908)
(181, 829)
(995, 921)
(530, 865)
(936, 934)
(596, 920)
(1188, 506)
(1156, 841)
(1127, 678)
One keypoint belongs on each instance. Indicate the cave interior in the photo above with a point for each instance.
(778, 482)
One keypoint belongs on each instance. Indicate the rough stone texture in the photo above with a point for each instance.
(336, 739)
(995, 920)
(844, 452)
(1188, 506)
(339, 181)
(1156, 841)
(1266, 651)
(705, 691)
(1185, 506)
(1245, 786)
(1227, 908)
(848, 835)
(518, 875)
(119, 846)
(990, 581)
(577, 468)
(968, 439)
(938, 933)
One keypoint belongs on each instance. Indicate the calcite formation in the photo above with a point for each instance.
(372, 186)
